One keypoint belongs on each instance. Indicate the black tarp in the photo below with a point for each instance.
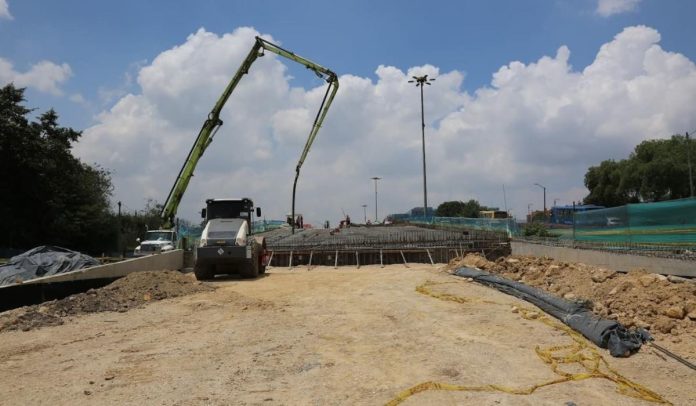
(609, 334)
(43, 261)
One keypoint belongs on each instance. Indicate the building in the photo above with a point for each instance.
(493, 214)
(564, 214)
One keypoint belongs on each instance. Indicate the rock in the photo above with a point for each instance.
(515, 309)
(569, 296)
(533, 315)
(676, 340)
(692, 315)
(675, 312)
(640, 323)
(664, 325)
(675, 279)
(109, 377)
(613, 291)
(660, 278)
(647, 280)
(513, 260)
(679, 279)
(554, 267)
(87, 392)
(602, 275)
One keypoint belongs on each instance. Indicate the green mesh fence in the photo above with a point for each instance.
(508, 226)
(266, 225)
(666, 223)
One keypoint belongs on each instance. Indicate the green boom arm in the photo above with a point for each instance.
(213, 123)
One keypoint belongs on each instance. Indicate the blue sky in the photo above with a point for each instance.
(103, 41)
(98, 53)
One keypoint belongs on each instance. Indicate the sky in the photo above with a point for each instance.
(525, 93)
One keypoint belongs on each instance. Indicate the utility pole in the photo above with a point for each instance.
(364, 206)
(375, 178)
(119, 242)
(688, 158)
(421, 81)
(543, 187)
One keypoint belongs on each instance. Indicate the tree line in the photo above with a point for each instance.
(48, 196)
(656, 170)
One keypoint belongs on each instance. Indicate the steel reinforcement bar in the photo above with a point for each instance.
(359, 246)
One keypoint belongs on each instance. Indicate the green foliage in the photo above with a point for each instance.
(656, 170)
(456, 208)
(537, 229)
(48, 195)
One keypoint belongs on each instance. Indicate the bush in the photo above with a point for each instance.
(537, 230)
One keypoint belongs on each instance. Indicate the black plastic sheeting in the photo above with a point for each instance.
(609, 334)
(43, 261)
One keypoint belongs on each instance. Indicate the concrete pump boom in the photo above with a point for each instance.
(212, 124)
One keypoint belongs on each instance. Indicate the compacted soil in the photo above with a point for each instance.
(664, 306)
(323, 336)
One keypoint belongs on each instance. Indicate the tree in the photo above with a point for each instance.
(47, 195)
(656, 170)
(456, 208)
(604, 184)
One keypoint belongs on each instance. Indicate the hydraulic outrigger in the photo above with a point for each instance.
(213, 122)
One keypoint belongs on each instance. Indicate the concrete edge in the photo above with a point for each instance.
(617, 262)
(172, 260)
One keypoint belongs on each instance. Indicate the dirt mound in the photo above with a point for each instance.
(637, 298)
(127, 293)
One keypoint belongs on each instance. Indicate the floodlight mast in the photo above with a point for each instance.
(421, 81)
(213, 122)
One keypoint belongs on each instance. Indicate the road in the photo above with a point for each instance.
(322, 336)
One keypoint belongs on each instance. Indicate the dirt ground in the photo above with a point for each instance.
(636, 299)
(321, 336)
(130, 292)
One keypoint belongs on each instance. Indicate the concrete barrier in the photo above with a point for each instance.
(617, 262)
(172, 260)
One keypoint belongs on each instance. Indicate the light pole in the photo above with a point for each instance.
(543, 187)
(688, 157)
(375, 178)
(364, 206)
(421, 81)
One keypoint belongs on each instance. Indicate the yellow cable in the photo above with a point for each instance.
(580, 353)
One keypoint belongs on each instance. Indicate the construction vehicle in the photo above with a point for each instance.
(156, 242)
(237, 220)
(226, 244)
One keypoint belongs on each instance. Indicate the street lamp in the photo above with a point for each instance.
(688, 157)
(364, 206)
(375, 178)
(543, 187)
(421, 81)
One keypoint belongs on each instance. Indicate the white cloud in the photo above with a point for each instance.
(540, 122)
(44, 76)
(77, 98)
(607, 8)
(5, 10)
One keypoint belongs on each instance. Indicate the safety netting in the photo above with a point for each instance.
(508, 225)
(670, 222)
